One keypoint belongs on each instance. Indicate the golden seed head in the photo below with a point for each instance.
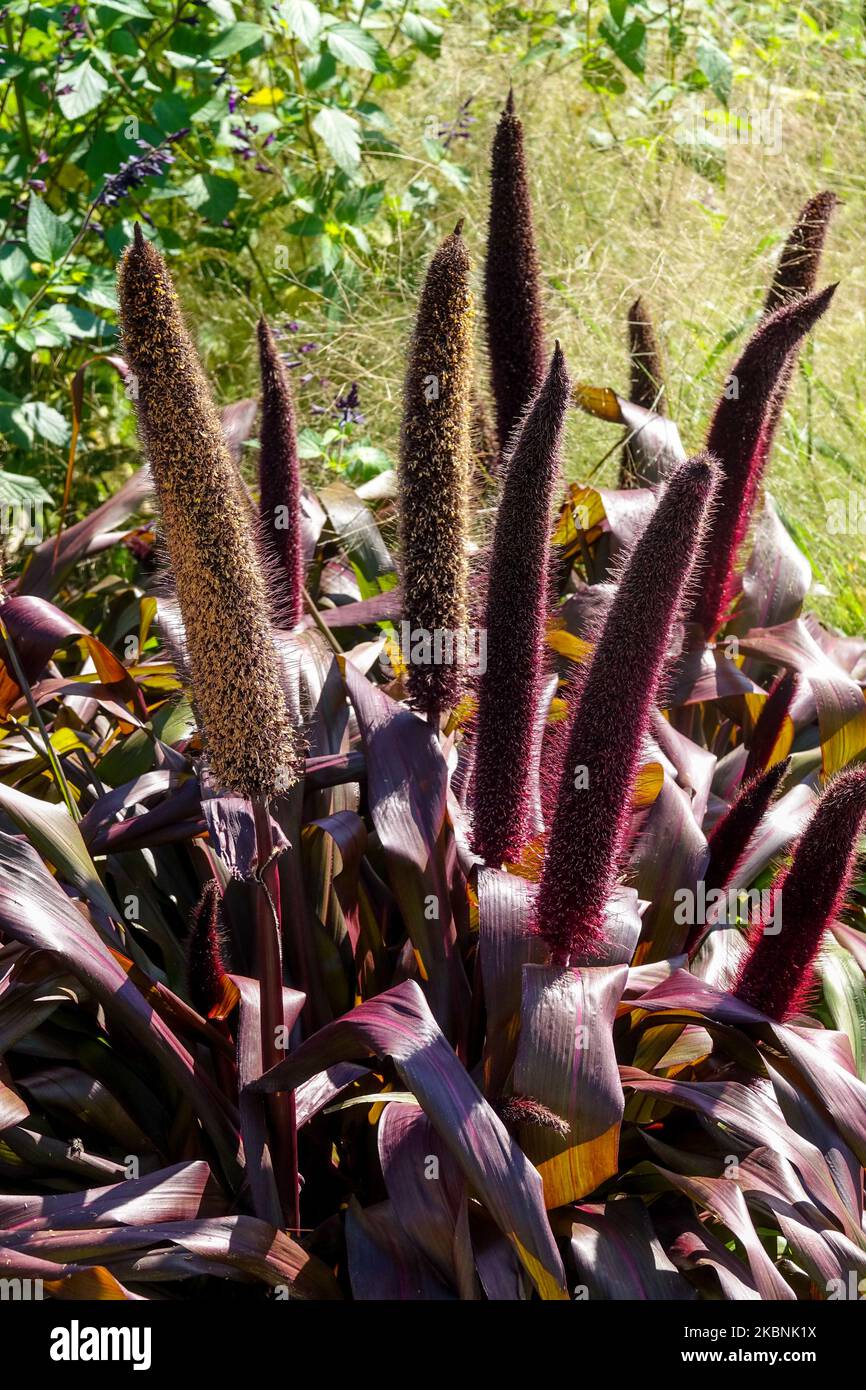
(251, 745)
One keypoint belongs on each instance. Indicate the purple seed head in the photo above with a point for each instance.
(732, 834)
(512, 300)
(205, 968)
(777, 976)
(768, 726)
(615, 702)
(434, 476)
(797, 272)
(280, 476)
(740, 437)
(518, 603)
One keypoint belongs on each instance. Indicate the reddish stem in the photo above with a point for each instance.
(269, 966)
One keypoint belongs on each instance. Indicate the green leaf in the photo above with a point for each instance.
(212, 196)
(235, 39)
(131, 7)
(629, 44)
(352, 45)
(18, 489)
(88, 88)
(47, 237)
(14, 265)
(617, 11)
(717, 69)
(341, 135)
(302, 19)
(40, 421)
(423, 33)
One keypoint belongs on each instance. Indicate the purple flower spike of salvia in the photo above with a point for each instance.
(280, 478)
(777, 976)
(615, 703)
(518, 604)
(512, 299)
(732, 835)
(740, 437)
(769, 724)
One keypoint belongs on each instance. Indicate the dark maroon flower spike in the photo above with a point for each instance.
(768, 725)
(647, 382)
(732, 835)
(512, 299)
(615, 703)
(280, 477)
(777, 977)
(796, 275)
(740, 437)
(646, 388)
(518, 603)
(205, 968)
(797, 272)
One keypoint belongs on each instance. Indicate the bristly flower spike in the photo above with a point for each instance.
(740, 438)
(731, 836)
(205, 967)
(280, 476)
(512, 297)
(434, 478)
(251, 746)
(777, 976)
(518, 605)
(769, 724)
(615, 703)
(647, 381)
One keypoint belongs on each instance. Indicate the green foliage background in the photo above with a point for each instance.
(326, 147)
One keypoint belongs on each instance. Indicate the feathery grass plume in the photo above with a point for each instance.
(615, 702)
(205, 968)
(777, 976)
(280, 476)
(518, 602)
(249, 739)
(434, 477)
(512, 299)
(768, 726)
(797, 271)
(740, 436)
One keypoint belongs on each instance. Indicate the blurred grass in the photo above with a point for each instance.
(620, 212)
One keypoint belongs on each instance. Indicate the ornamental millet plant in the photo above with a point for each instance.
(777, 975)
(518, 605)
(280, 477)
(251, 746)
(614, 707)
(512, 298)
(434, 477)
